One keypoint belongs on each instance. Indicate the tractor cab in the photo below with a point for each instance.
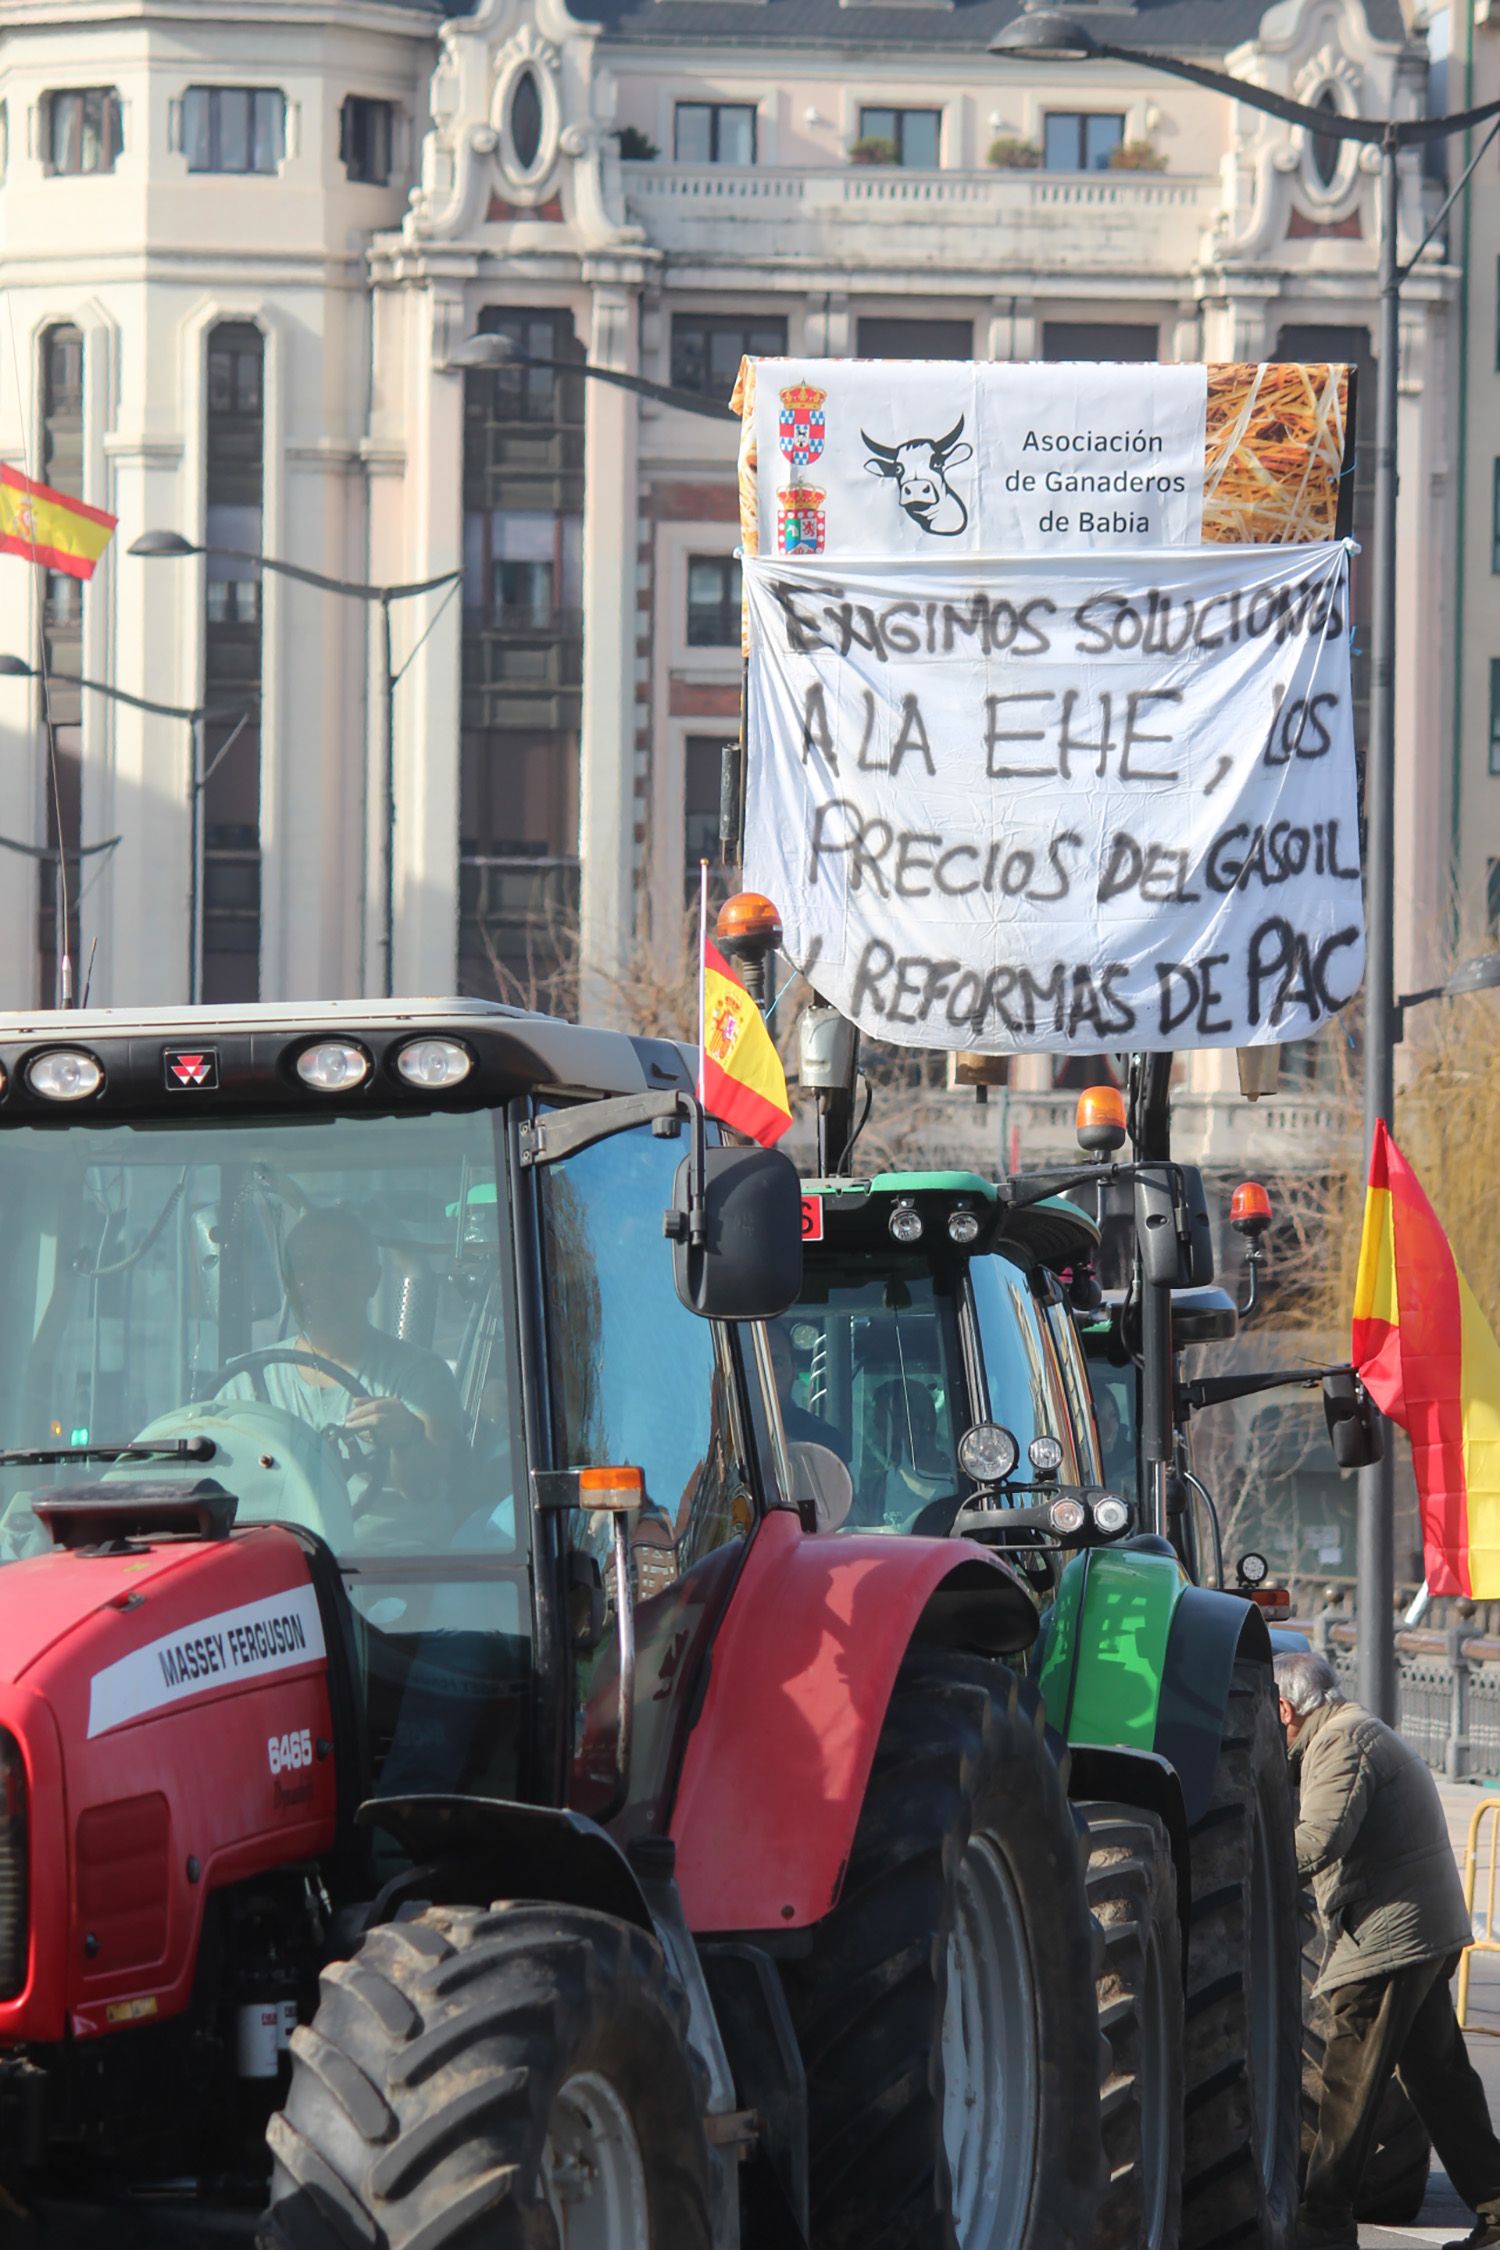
(929, 1312)
(289, 1264)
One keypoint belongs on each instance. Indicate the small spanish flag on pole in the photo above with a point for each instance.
(1429, 1359)
(50, 528)
(740, 1078)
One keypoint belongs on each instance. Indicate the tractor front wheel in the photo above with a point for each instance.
(1132, 1886)
(493, 2080)
(1244, 2015)
(946, 2011)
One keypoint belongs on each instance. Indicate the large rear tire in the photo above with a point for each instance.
(1243, 1990)
(1132, 1890)
(496, 2080)
(946, 2011)
(1394, 2187)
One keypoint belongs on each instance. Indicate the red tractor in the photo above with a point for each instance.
(451, 1791)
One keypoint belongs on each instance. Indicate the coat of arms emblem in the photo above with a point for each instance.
(723, 1028)
(802, 426)
(800, 519)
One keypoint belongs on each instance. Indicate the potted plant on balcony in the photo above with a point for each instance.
(1009, 153)
(636, 147)
(1137, 156)
(874, 148)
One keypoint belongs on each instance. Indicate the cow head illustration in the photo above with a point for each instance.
(920, 467)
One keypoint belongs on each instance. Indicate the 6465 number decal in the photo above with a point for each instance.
(289, 1753)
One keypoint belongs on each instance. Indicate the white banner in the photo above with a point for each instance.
(1069, 803)
(932, 457)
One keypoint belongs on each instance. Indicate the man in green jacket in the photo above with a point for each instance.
(1372, 1839)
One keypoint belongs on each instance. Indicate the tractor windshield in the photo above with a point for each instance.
(317, 1302)
(869, 1365)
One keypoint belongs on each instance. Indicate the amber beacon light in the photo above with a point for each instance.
(1100, 1122)
(1250, 1209)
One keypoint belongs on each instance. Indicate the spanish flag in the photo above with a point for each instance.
(740, 1078)
(1429, 1359)
(49, 528)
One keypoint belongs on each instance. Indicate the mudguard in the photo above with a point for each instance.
(801, 1674)
(1134, 1657)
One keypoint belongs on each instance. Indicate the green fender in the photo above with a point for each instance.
(1133, 1657)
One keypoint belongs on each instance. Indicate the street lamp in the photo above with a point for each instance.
(1045, 34)
(161, 545)
(496, 353)
(1480, 973)
(16, 668)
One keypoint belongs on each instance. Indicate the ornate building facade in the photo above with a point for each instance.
(241, 252)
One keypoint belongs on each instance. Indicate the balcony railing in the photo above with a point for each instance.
(1111, 221)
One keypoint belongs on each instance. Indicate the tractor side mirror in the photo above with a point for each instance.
(749, 1263)
(1353, 1424)
(821, 1484)
(1172, 1226)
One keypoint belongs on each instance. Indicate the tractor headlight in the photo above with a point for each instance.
(1067, 1516)
(434, 1064)
(67, 1074)
(1111, 1514)
(333, 1066)
(906, 1221)
(987, 1453)
(1045, 1455)
(963, 1226)
(14, 1930)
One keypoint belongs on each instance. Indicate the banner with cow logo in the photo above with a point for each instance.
(1069, 803)
(919, 457)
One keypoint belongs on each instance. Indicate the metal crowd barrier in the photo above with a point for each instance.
(1447, 1691)
(1486, 1814)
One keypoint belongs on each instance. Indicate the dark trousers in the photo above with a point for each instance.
(1403, 2022)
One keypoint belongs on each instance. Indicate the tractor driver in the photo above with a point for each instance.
(332, 1270)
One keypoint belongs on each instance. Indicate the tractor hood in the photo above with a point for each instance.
(169, 1701)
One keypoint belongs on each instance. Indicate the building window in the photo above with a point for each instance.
(713, 601)
(702, 765)
(882, 338)
(1495, 515)
(707, 348)
(1495, 714)
(1325, 149)
(83, 129)
(229, 936)
(915, 134)
(522, 666)
(365, 138)
(234, 128)
(62, 638)
(1492, 896)
(1080, 140)
(1099, 340)
(714, 133)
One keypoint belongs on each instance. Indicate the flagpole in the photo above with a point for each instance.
(702, 970)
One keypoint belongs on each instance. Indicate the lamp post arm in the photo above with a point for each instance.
(1406, 132)
(665, 394)
(1450, 199)
(354, 588)
(141, 702)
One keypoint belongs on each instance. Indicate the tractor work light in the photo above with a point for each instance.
(906, 1221)
(333, 1066)
(434, 1064)
(987, 1453)
(963, 1226)
(14, 1932)
(67, 1074)
(1254, 1570)
(1045, 1455)
(1100, 1120)
(1067, 1516)
(1111, 1514)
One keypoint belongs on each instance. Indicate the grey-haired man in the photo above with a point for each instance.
(1372, 1839)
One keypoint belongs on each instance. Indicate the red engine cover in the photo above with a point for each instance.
(172, 1710)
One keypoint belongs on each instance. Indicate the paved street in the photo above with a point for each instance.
(1443, 2216)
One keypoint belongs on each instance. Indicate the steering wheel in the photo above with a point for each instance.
(375, 1453)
